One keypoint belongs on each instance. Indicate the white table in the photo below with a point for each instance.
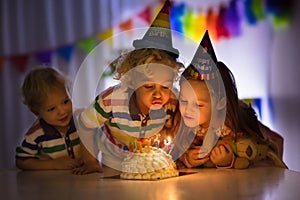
(254, 183)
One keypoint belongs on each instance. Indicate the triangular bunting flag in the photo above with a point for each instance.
(66, 52)
(87, 45)
(250, 16)
(200, 26)
(127, 25)
(281, 21)
(211, 24)
(176, 15)
(106, 35)
(20, 62)
(221, 24)
(258, 9)
(146, 15)
(45, 57)
(233, 19)
(188, 23)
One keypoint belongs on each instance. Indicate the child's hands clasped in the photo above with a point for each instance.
(194, 158)
(222, 155)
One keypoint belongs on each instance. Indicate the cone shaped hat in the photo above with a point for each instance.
(159, 33)
(203, 65)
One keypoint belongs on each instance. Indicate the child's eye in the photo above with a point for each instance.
(148, 86)
(51, 109)
(66, 101)
(183, 101)
(198, 105)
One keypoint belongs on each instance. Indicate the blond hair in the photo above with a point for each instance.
(37, 85)
(144, 56)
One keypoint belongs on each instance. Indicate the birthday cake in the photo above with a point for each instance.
(148, 163)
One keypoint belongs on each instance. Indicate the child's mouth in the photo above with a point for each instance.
(158, 103)
(188, 118)
(64, 119)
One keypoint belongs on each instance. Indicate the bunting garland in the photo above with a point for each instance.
(44, 57)
(146, 15)
(106, 35)
(222, 21)
(66, 52)
(225, 21)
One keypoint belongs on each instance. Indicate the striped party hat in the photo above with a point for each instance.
(159, 34)
(203, 65)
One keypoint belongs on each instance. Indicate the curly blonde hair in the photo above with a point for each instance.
(144, 56)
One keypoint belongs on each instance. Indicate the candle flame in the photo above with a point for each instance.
(168, 141)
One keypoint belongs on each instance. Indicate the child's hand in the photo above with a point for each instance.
(180, 164)
(194, 157)
(222, 155)
(66, 163)
(87, 168)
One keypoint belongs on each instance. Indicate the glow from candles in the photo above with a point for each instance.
(167, 141)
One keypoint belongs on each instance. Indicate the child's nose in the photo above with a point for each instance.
(189, 108)
(157, 92)
(61, 110)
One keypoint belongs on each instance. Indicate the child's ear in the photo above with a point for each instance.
(221, 104)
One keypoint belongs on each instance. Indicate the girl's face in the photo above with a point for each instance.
(57, 110)
(154, 92)
(195, 103)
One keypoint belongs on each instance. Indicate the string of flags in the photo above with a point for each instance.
(223, 22)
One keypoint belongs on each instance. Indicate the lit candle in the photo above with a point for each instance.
(167, 143)
(146, 142)
(131, 146)
(139, 146)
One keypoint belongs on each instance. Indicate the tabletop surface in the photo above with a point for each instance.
(253, 183)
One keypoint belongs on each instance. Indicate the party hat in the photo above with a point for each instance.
(203, 65)
(159, 34)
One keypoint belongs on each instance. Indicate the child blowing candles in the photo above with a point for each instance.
(139, 108)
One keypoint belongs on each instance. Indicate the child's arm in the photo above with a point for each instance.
(63, 163)
(90, 163)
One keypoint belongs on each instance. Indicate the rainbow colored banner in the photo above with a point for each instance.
(222, 21)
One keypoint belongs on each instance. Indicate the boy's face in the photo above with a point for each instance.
(195, 103)
(153, 92)
(57, 109)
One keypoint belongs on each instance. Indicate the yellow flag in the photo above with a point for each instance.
(107, 36)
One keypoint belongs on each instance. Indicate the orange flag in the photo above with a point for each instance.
(127, 26)
(211, 24)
